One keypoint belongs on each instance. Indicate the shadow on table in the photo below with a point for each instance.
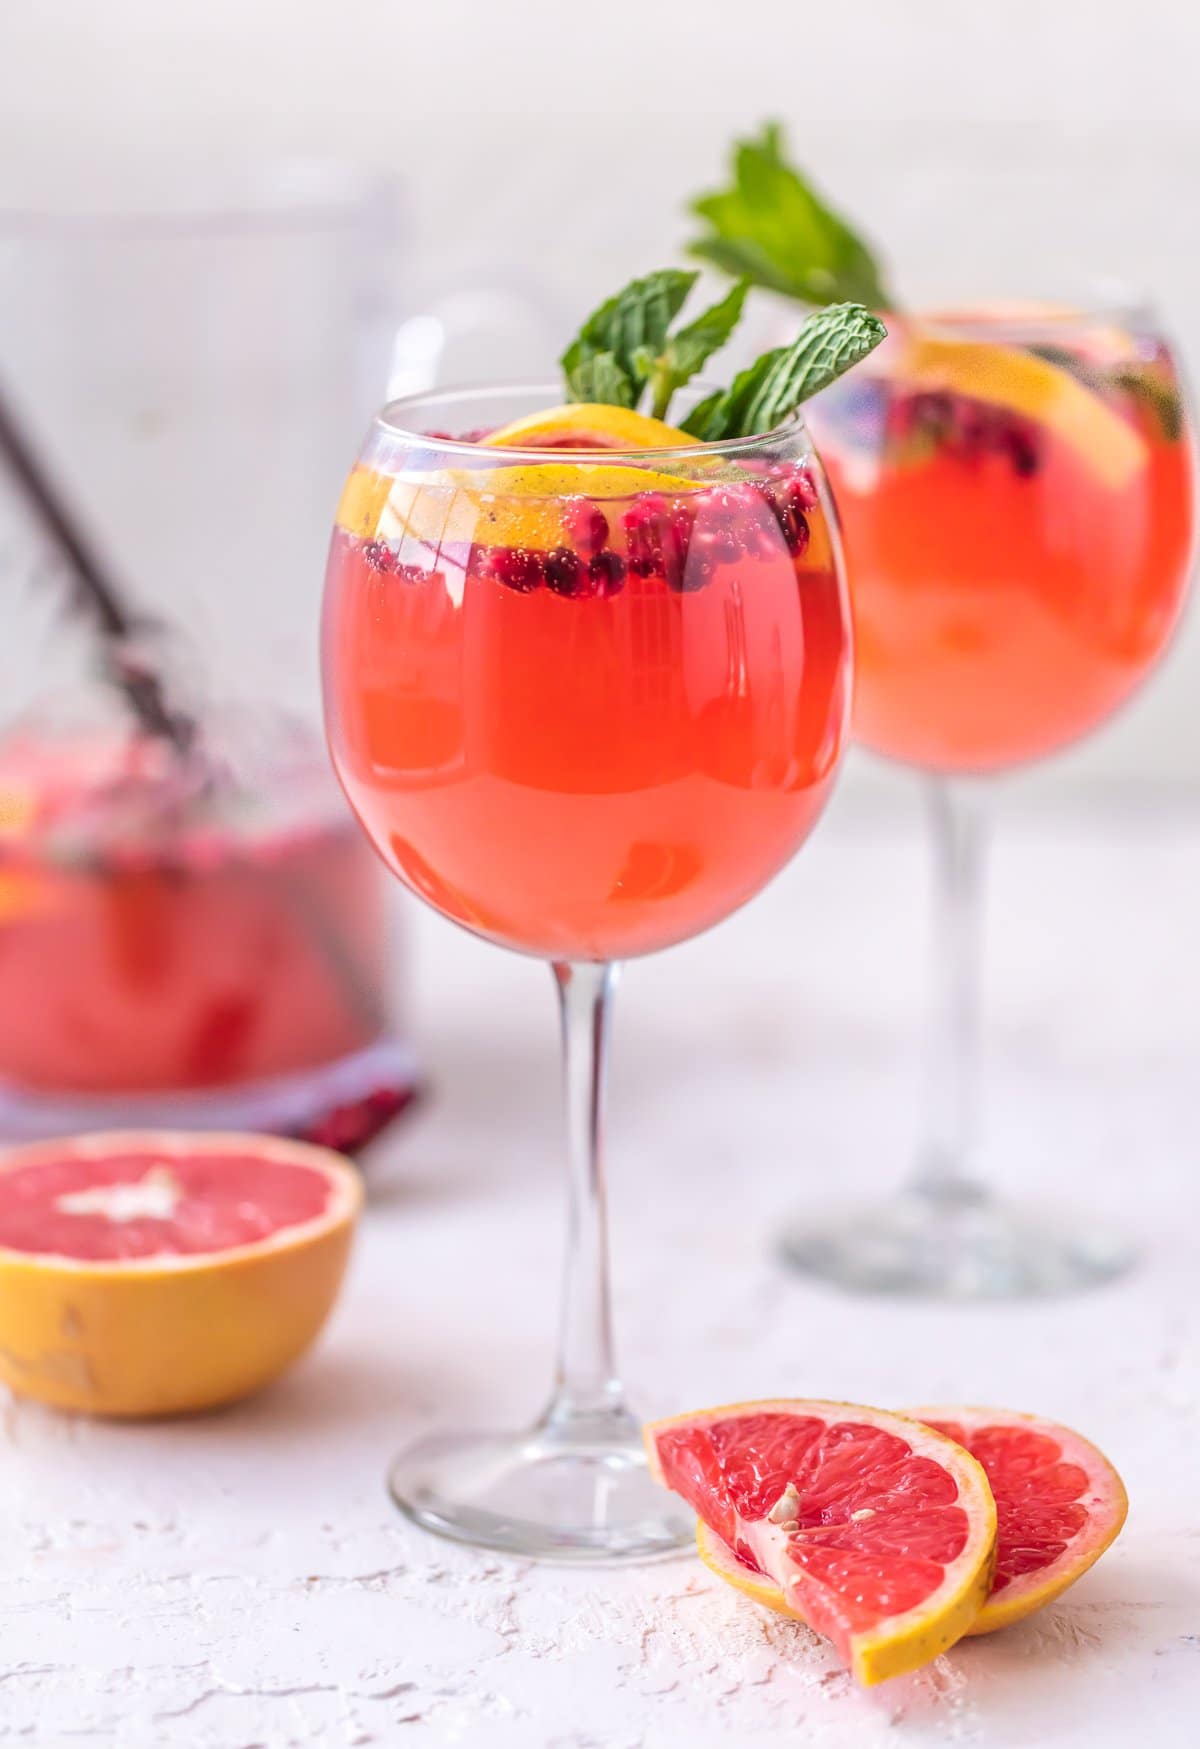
(387, 1396)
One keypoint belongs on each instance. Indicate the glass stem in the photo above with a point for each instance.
(945, 1163)
(586, 1387)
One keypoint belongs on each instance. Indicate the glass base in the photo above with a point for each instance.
(571, 1489)
(299, 1104)
(955, 1245)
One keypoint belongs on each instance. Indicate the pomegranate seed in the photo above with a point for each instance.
(677, 538)
(725, 504)
(379, 555)
(794, 484)
(484, 563)
(563, 568)
(646, 511)
(794, 525)
(1023, 450)
(516, 567)
(587, 527)
(521, 569)
(607, 572)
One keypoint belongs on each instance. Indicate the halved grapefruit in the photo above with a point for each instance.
(151, 1274)
(1059, 1504)
(875, 1530)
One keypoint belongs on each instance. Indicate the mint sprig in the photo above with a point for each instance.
(686, 351)
(766, 392)
(609, 359)
(625, 347)
(770, 226)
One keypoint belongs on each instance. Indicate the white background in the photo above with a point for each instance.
(242, 1578)
(551, 146)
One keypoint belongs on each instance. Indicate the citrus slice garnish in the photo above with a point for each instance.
(1021, 382)
(160, 1273)
(878, 1532)
(589, 425)
(1059, 1503)
(517, 504)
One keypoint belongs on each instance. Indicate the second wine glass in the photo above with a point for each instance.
(1016, 485)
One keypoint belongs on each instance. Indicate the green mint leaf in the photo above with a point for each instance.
(763, 395)
(1162, 398)
(626, 331)
(596, 376)
(691, 347)
(770, 226)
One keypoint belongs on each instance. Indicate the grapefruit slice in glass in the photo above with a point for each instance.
(589, 425)
(1023, 382)
(151, 1274)
(1059, 1504)
(878, 1532)
(518, 504)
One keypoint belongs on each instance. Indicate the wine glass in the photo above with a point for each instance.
(1016, 490)
(586, 705)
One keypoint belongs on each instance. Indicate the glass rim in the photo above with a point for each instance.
(386, 420)
(1028, 318)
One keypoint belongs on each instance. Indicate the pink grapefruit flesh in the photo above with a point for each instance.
(875, 1530)
(151, 1274)
(1059, 1504)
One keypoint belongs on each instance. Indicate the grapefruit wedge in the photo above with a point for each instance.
(1059, 1504)
(151, 1274)
(878, 1532)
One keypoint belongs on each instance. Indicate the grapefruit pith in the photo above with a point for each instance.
(1059, 1504)
(156, 1273)
(875, 1530)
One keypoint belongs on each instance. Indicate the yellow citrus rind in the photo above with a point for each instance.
(594, 422)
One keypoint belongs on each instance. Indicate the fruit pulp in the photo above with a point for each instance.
(1010, 589)
(586, 725)
(145, 951)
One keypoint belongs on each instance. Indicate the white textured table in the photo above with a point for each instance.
(242, 1580)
